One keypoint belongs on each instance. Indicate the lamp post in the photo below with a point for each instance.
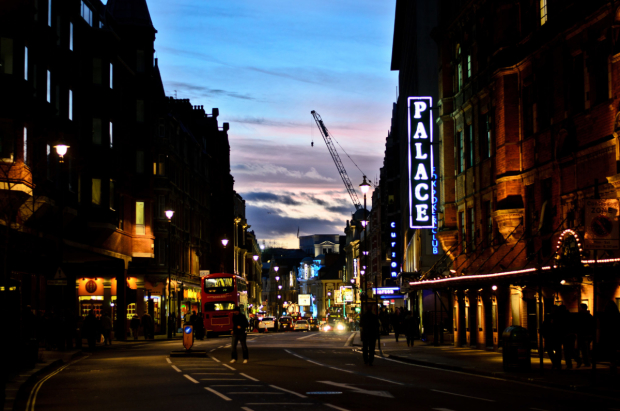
(224, 244)
(365, 186)
(61, 149)
(169, 215)
(277, 277)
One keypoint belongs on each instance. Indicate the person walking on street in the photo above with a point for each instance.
(240, 325)
(90, 329)
(409, 325)
(134, 324)
(106, 327)
(585, 331)
(551, 331)
(610, 335)
(147, 325)
(370, 328)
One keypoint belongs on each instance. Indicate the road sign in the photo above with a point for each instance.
(60, 275)
(188, 336)
(602, 231)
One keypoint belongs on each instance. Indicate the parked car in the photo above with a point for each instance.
(286, 324)
(266, 323)
(301, 325)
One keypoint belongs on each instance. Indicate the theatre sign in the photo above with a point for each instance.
(422, 176)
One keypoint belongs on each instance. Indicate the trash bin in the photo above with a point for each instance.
(516, 353)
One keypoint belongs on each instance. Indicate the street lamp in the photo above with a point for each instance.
(277, 277)
(61, 149)
(365, 186)
(169, 215)
(255, 257)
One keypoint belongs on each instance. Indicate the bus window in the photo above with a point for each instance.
(218, 285)
(220, 306)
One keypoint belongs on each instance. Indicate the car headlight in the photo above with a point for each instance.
(327, 328)
(340, 327)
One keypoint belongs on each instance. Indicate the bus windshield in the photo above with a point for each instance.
(219, 285)
(220, 306)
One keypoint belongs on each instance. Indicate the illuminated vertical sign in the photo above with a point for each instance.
(422, 184)
(394, 252)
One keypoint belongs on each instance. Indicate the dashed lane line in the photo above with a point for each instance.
(461, 395)
(191, 379)
(212, 373)
(340, 369)
(246, 409)
(279, 403)
(234, 385)
(168, 359)
(307, 336)
(215, 359)
(174, 367)
(219, 394)
(254, 393)
(222, 379)
(336, 408)
(229, 367)
(289, 391)
(248, 377)
(383, 379)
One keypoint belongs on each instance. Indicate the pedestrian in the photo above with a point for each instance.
(551, 331)
(200, 326)
(134, 324)
(240, 324)
(370, 328)
(610, 335)
(409, 325)
(91, 328)
(193, 318)
(585, 332)
(147, 324)
(172, 324)
(567, 334)
(106, 327)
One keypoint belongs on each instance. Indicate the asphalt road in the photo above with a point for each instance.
(286, 371)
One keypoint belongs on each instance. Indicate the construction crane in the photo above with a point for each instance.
(336, 157)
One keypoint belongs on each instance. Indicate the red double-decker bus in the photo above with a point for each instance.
(221, 294)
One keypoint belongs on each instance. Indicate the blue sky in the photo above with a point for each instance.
(266, 65)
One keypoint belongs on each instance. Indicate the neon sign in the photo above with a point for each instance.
(394, 258)
(387, 291)
(422, 181)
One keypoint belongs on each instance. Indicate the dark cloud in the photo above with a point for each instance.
(274, 226)
(285, 199)
(192, 88)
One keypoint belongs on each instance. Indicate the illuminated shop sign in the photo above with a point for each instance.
(387, 291)
(394, 253)
(422, 181)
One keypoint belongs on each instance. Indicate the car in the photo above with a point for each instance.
(336, 325)
(313, 324)
(301, 325)
(285, 323)
(266, 323)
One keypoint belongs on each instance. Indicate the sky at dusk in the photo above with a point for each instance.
(266, 65)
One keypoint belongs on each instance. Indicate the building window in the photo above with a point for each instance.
(459, 73)
(543, 12)
(96, 70)
(489, 211)
(472, 229)
(87, 14)
(470, 142)
(139, 161)
(70, 105)
(49, 87)
(140, 61)
(97, 131)
(111, 75)
(71, 36)
(469, 66)
(111, 135)
(463, 233)
(140, 111)
(26, 63)
(6, 55)
(140, 229)
(49, 13)
(461, 151)
(96, 191)
(49, 160)
(112, 196)
(26, 146)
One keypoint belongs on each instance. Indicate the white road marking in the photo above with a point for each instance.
(229, 367)
(360, 390)
(219, 394)
(190, 378)
(393, 382)
(246, 409)
(215, 359)
(168, 359)
(290, 392)
(176, 368)
(314, 362)
(307, 336)
(466, 396)
(340, 369)
(279, 403)
(247, 376)
(261, 393)
(336, 408)
(234, 385)
(212, 373)
(222, 379)
(213, 350)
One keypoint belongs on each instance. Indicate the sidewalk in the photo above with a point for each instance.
(489, 363)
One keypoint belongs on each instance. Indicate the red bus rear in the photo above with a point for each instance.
(220, 295)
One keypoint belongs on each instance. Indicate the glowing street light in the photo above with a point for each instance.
(255, 257)
(61, 149)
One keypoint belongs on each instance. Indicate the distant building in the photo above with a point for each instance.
(320, 244)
